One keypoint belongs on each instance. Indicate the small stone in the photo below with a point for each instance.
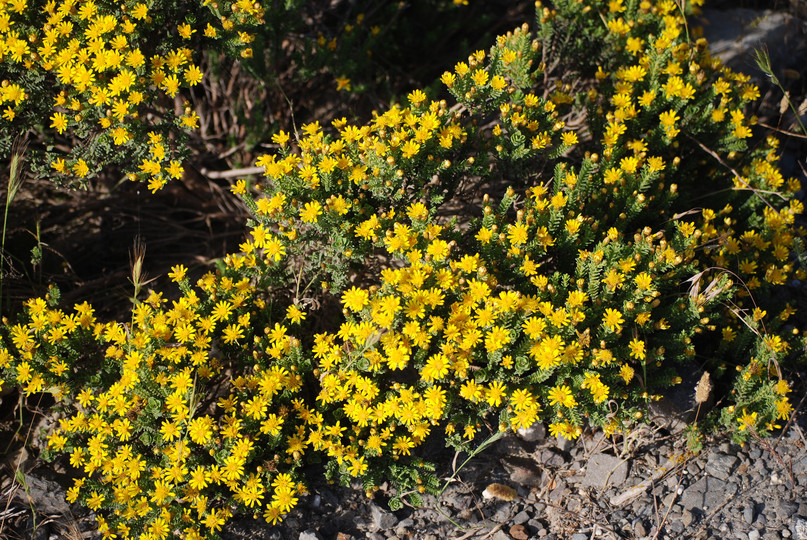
(563, 444)
(604, 470)
(786, 509)
(534, 433)
(519, 532)
(748, 514)
(687, 518)
(310, 535)
(721, 465)
(707, 491)
(640, 529)
(786, 533)
(753, 534)
(580, 536)
(523, 471)
(520, 518)
(375, 536)
(799, 529)
(552, 457)
(382, 519)
(669, 499)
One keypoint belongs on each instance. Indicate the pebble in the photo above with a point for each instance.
(800, 528)
(382, 519)
(748, 514)
(753, 534)
(639, 528)
(721, 465)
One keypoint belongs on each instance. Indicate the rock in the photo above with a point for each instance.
(564, 445)
(580, 536)
(687, 518)
(706, 492)
(375, 536)
(753, 534)
(382, 519)
(534, 433)
(639, 528)
(604, 470)
(520, 518)
(519, 532)
(523, 471)
(310, 535)
(721, 465)
(786, 509)
(748, 514)
(800, 466)
(799, 529)
(46, 496)
(552, 457)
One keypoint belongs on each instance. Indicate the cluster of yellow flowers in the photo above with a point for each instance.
(104, 70)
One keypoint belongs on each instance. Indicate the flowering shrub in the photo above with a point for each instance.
(551, 243)
(112, 83)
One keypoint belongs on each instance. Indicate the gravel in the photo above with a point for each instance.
(720, 493)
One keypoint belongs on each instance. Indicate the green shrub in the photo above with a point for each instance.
(630, 229)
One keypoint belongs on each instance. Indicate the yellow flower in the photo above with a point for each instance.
(747, 421)
(193, 75)
(416, 97)
(480, 77)
(343, 83)
(295, 314)
(612, 319)
(561, 395)
(59, 122)
(355, 299)
(637, 350)
(185, 30)
(310, 212)
(177, 273)
(568, 138)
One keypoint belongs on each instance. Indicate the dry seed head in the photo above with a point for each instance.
(703, 389)
(500, 491)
